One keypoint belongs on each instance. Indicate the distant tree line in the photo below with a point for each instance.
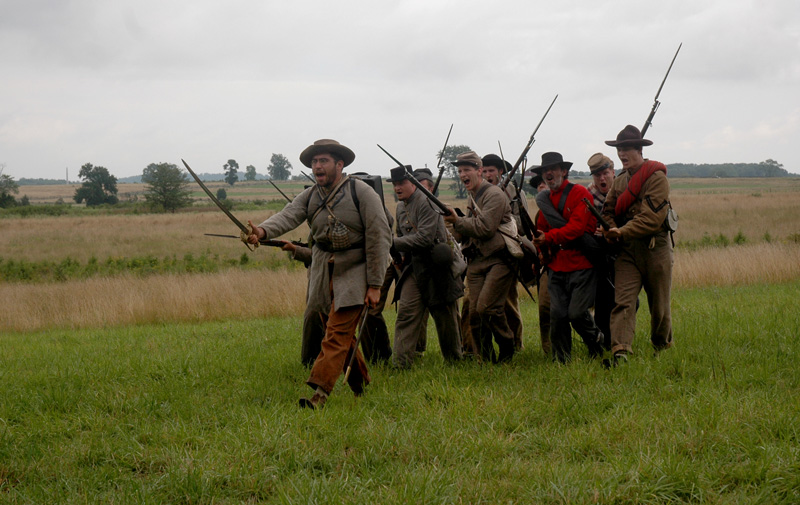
(768, 168)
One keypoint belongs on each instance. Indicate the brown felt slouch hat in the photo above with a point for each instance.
(326, 146)
(599, 162)
(630, 136)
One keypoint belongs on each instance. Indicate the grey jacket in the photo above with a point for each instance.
(419, 228)
(353, 269)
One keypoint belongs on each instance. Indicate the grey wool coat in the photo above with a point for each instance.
(353, 269)
(419, 228)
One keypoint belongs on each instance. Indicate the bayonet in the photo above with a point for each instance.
(264, 241)
(244, 229)
(439, 163)
(649, 121)
(308, 177)
(531, 140)
(279, 191)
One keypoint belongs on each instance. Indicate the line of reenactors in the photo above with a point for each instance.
(588, 277)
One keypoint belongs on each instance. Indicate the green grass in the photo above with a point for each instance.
(207, 413)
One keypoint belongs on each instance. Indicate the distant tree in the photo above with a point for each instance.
(24, 201)
(772, 168)
(450, 170)
(250, 173)
(8, 188)
(98, 187)
(222, 194)
(231, 167)
(279, 167)
(166, 186)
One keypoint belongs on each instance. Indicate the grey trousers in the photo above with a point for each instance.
(412, 321)
(571, 297)
(637, 267)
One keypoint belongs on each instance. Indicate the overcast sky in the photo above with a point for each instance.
(126, 83)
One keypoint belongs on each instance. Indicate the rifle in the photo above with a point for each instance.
(439, 164)
(445, 209)
(308, 177)
(600, 219)
(531, 140)
(264, 241)
(279, 191)
(649, 121)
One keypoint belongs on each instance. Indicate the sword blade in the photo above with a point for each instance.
(238, 223)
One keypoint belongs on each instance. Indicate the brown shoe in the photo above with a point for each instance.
(315, 402)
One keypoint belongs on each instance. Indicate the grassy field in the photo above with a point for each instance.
(207, 413)
(143, 362)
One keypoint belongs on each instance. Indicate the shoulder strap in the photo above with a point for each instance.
(563, 201)
(324, 202)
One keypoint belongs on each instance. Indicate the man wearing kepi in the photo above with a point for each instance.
(494, 169)
(638, 204)
(490, 272)
(564, 223)
(602, 169)
(427, 282)
(351, 240)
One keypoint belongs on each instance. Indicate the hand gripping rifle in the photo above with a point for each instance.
(600, 219)
(656, 103)
(245, 230)
(439, 164)
(510, 175)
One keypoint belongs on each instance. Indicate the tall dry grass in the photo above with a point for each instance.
(752, 207)
(128, 300)
(745, 264)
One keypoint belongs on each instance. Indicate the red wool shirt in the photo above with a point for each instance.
(579, 221)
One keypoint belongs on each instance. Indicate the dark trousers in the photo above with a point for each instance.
(313, 333)
(375, 341)
(604, 304)
(571, 297)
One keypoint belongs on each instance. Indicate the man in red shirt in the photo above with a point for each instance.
(563, 223)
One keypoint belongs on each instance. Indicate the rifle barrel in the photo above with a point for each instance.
(418, 184)
(504, 184)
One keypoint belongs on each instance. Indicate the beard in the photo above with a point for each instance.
(556, 182)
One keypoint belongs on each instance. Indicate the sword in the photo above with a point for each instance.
(244, 229)
(361, 326)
